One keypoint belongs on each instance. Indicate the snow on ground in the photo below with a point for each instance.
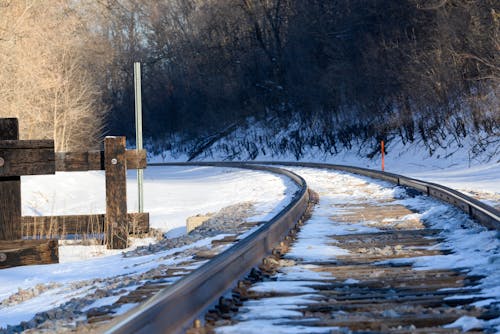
(481, 181)
(473, 246)
(26, 291)
(465, 167)
(171, 195)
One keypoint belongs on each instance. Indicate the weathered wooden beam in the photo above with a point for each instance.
(94, 160)
(10, 188)
(9, 144)
(116, 229)
(136, 159)
(79, 161)
(58, 226)
(28, 252)
(26, 157)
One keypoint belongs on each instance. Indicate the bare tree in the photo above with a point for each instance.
(47, 80)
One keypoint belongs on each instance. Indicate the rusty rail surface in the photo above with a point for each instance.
(174, 308)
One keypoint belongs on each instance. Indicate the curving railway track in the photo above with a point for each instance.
(359, 256)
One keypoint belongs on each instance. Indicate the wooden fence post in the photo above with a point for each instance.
(10, 188)
(116, 228)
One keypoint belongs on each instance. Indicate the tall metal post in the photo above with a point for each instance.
(382, 150)
(138, 131)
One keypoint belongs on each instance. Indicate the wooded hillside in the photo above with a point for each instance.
(357, 68)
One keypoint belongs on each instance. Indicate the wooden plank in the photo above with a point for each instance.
(10, 189)
(58, 226)
(10, 144)
(79, 161)
(116, 229)
(380, 323)
(28, 252)
(27, 161)
(136, 159)
(94, 160)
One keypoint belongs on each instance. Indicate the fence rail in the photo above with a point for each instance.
(95, 160)
(43, 227)
(37, 157)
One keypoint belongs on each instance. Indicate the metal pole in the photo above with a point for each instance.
(138, 131)
(382, 150)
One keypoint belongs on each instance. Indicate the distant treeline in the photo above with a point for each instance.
(364, 68)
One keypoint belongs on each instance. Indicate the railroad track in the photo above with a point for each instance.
(366, 282)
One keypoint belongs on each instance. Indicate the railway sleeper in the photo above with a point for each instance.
(383, 295)
(367, 305)
(389, 236)
(377, 243)
(388, 253)
(427, 330)
(396, 234)
(375, 270)
(403, 283)
(367, 277)
(382, 323)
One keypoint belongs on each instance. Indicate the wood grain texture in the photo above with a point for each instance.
(79, 161)
(10, 189)
(26, 144)
(136, 159)
(94, 160)
(23, 160)
(58, 226)
(28, 252)
(116, 228)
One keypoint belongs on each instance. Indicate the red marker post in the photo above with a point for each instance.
(383, 154)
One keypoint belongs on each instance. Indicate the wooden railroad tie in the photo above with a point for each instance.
(38, 157)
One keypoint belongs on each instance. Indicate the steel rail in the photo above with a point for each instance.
(173, 309)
